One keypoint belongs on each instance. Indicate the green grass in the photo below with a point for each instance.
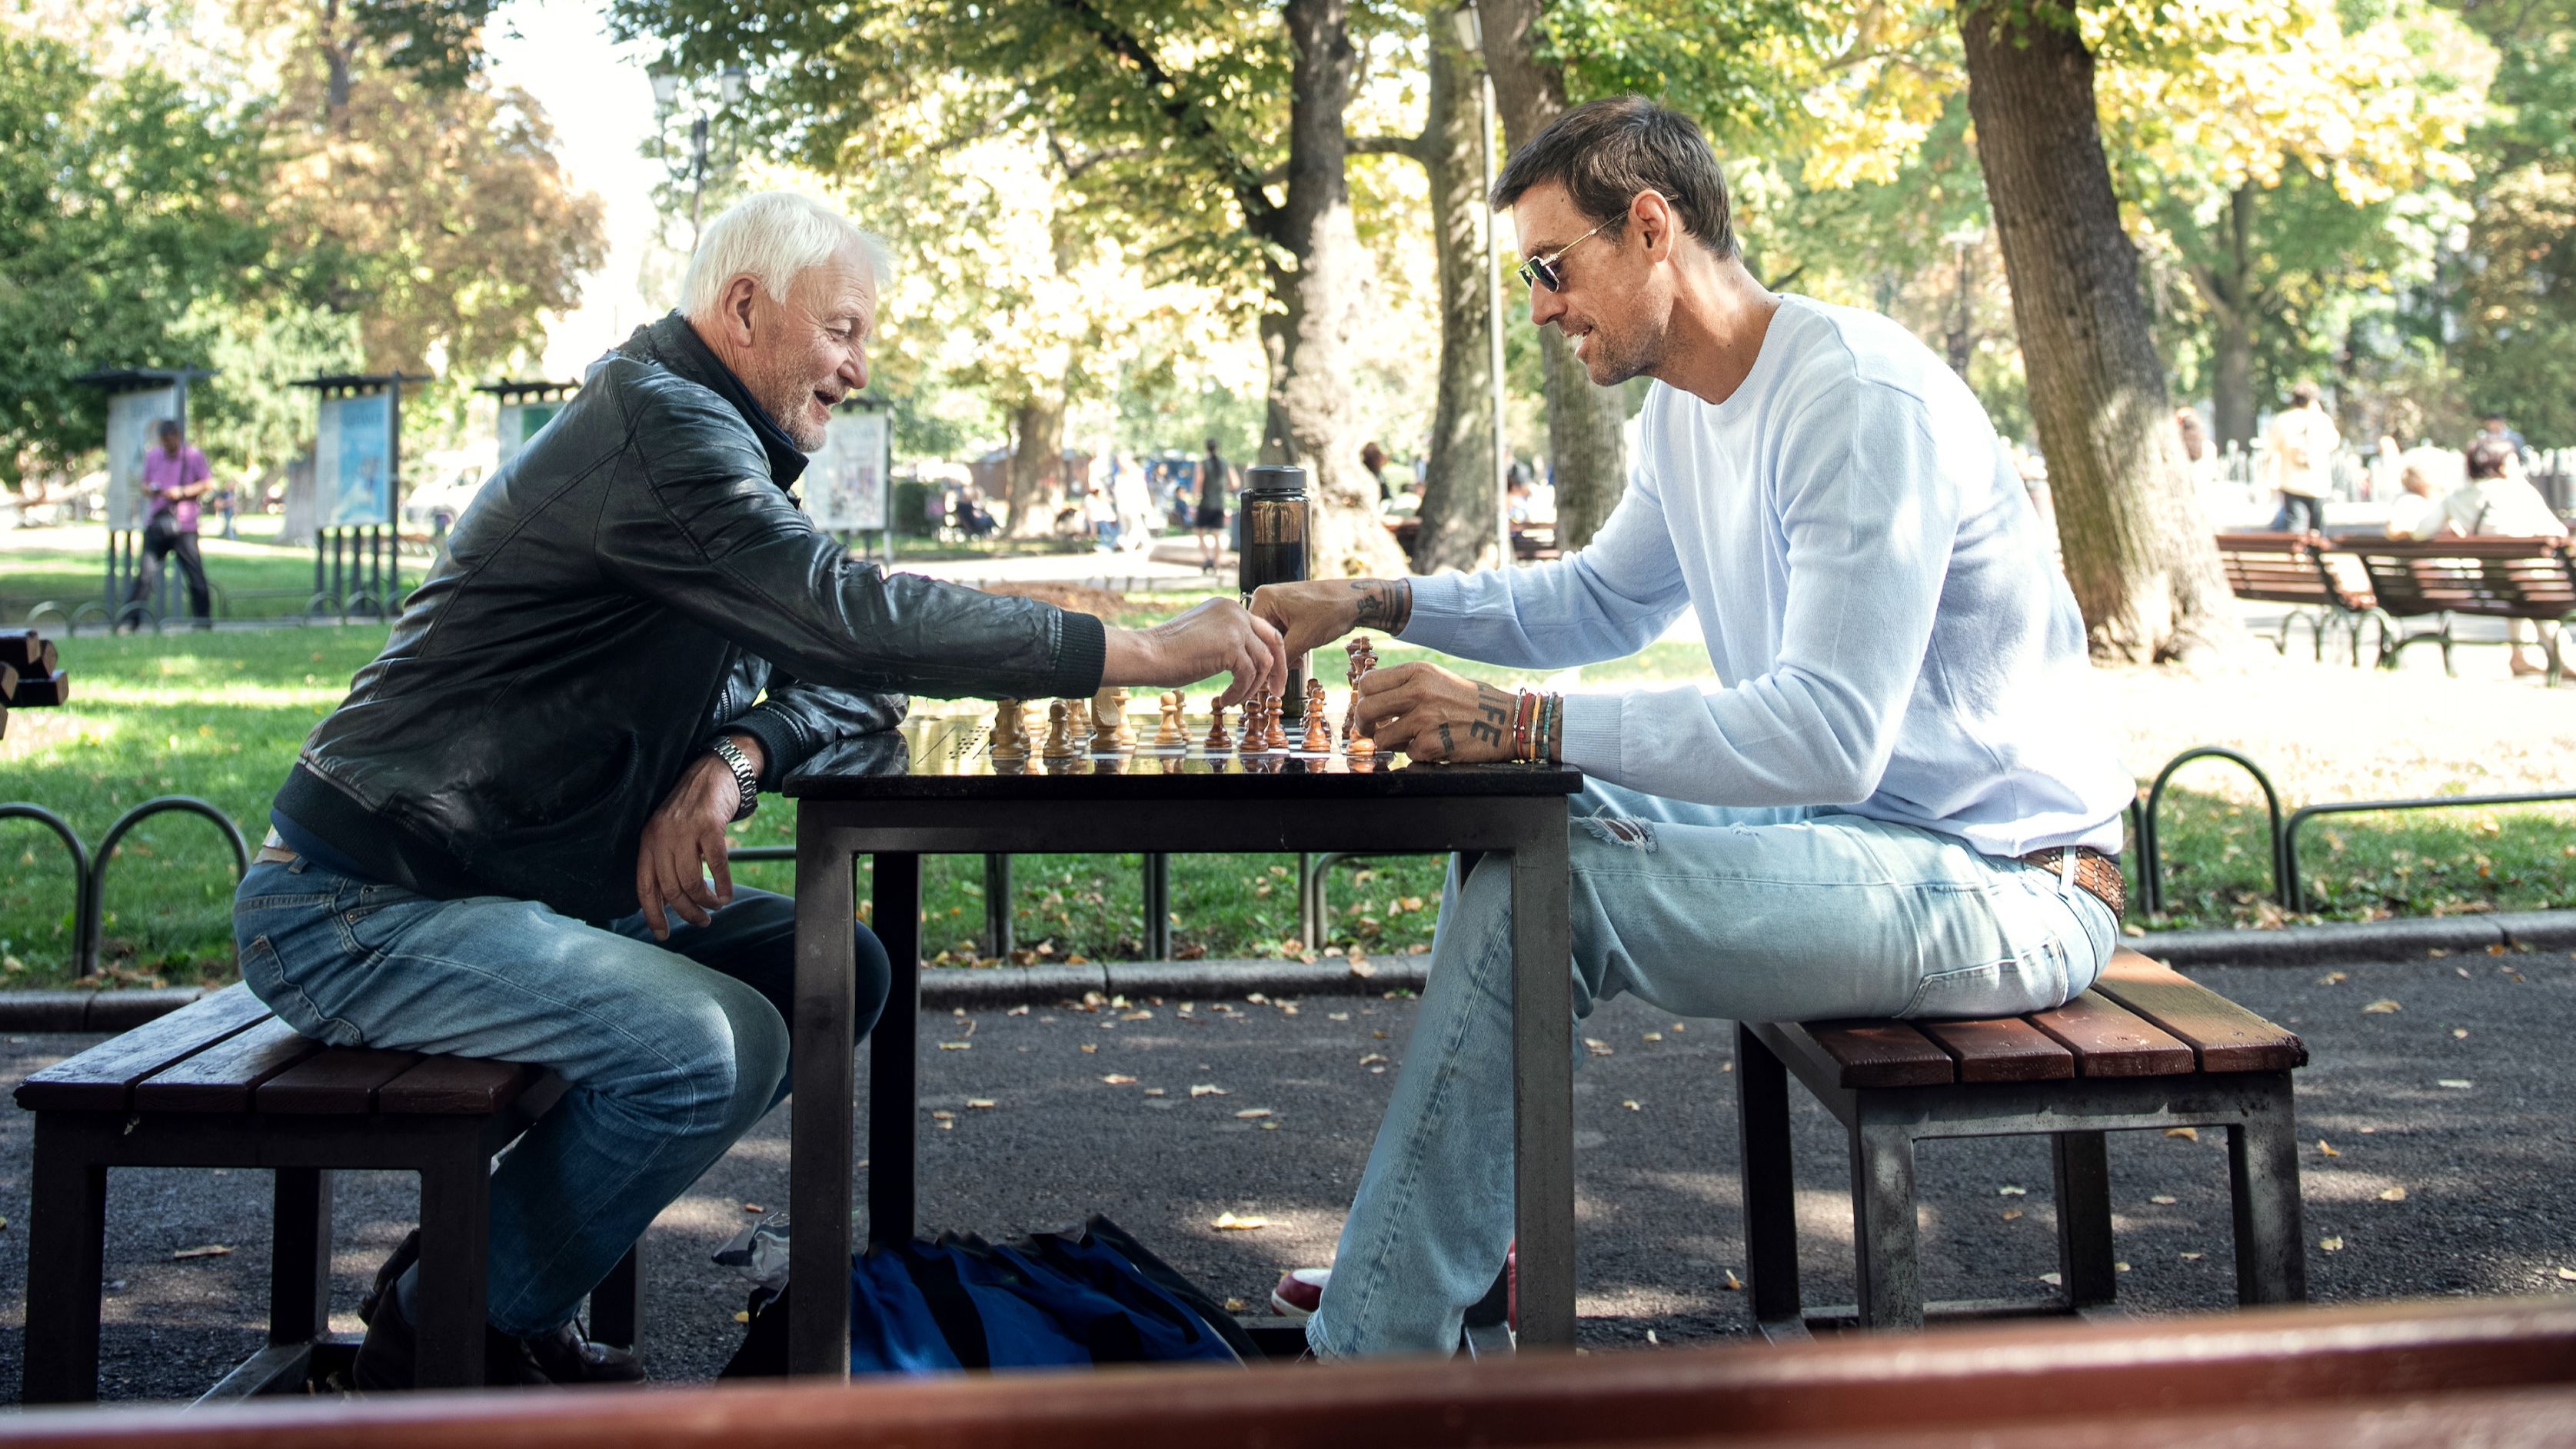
(220, 717)
(253, 579)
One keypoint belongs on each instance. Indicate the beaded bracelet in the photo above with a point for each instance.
(1524, 715)
(1551, 727)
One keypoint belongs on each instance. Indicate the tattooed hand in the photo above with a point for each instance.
(1432, 714)
(1313, 614)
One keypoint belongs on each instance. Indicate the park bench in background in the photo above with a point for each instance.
(2487, 578)
(2453, 1372)
(2146, 1048)
(222, 1083)
(2289, 568)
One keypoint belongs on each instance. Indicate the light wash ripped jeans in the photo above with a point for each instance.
(1744, 915)
(669, 1050)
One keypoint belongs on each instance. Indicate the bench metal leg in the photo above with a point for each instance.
(1885, 1242)
(66, 1259)
(299, 1273)
(1769, 1191)
(616, 1304)
(2082, 1163)
(455, 1230)
(2263, 1181)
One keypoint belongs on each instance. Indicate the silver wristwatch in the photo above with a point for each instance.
(745, 778)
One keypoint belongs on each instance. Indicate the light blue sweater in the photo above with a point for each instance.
(1889, 633)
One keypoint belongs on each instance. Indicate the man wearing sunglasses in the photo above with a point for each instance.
(1887, 798)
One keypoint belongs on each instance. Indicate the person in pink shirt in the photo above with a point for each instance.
(175, 476)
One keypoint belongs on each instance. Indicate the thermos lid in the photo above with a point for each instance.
(1274, 480)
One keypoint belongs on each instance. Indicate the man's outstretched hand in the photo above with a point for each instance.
(1313, 614)
(685, 839)
(1217, 637)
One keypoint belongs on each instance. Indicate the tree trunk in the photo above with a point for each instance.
(1311, 420)
(1458, 491)
(2139, 555)
(2231, 313)
(1586, 436)
(1037, 467)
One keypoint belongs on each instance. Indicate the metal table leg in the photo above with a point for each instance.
(818, 1320)
(1543, 1078)
(894, 1061)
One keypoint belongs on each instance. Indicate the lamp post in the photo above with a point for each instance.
(1471, 38)
(730, 84)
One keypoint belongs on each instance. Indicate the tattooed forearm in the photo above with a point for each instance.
(1385, 604)
(1495, 707)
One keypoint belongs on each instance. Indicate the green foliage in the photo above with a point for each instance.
(126, 203)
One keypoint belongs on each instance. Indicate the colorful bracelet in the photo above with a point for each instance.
(1524, 716)
(1552, 729)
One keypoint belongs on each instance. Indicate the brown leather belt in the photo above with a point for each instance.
(2096, 874)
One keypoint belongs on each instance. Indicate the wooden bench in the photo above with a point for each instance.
(2146, 1048)
(2289, 568)
(223, 1083)
(2487, 578)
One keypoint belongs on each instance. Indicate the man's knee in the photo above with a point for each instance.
(717, 1061)
(872, 980)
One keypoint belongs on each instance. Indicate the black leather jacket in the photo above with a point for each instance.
(619, 593)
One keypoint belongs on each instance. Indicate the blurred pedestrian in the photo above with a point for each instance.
(2301, 443)
(2493, 425)
(2497, 502)
(1209, 519)
(175, 477)
(1373, 458)
(2416, 512)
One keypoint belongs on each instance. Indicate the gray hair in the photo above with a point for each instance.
(770, 237)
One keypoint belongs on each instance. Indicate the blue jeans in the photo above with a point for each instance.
(1745, 915)
(669, 1051)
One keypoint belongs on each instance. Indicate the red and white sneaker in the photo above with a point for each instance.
(1300, 1293)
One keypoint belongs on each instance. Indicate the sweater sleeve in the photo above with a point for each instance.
(1868, 519)
(1606, 601)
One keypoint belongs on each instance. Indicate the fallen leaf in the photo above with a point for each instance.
(956, 1046)
(1736, 1285)
(1596, 1046)
(1650, 1338)
(1363, 970)
(1379, 1035)
(2191, 1257)
(1089, 1048)
(2051, 1279)
(2327, 1148)
(1137, 1016)
(2163, 1200)
(1020, 1010)
(2382, 1007)
(741, 1315)
(2331, 1245)
(2008, 1190)
(2187, 1134)
(982, 1104)
(2394, 1194)
(942, 1116)
(1119, 1079)
(753, 1207)
(1249, 1114)
(2568, 1273)
(1372, 1058)
(2459, 1033)
(1208, 1089)
(1153, 1091)
(208, 1250)
(1229, 1223)
(1269, 1126)
(2119, 1267)
(2333, 978)
(1631, 1105)
(1337, 1016)
(2012, 1214)
(1653, 1036)
(2458, 1084)
(1236, 1305)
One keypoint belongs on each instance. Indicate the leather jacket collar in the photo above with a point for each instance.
(672, 343)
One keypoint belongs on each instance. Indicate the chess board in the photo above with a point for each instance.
(965, 747)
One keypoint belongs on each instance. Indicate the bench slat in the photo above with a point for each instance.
(2226, 1036)
(343, 1080)
(2109, 1040)
(2004, 1049)
(1882, 1053)
(456, 1086)
(222, 1077)
(102, 1078)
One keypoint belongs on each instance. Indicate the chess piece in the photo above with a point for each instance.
(1170, 736)
(1059, 740)
(1109, 722)
(1256, 725)
(1010, 731)
(1272, 736)
(1077, 715)
(1361, 747)
(1319, 729)
(1217, 740)
(1363, 656)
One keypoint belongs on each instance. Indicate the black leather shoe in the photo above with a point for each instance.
(565, 1357)
(389, 1358)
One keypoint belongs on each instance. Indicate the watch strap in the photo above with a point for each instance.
(745, 778)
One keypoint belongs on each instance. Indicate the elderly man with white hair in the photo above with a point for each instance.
(499, 845)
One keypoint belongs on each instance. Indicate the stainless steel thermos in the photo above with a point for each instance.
(1274, 521)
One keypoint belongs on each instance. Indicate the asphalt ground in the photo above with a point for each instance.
(2484, 1169)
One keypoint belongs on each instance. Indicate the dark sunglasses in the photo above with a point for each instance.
(1542, 271)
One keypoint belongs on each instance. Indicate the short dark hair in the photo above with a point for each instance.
(2487, 457)
(1604, 152)
(2303, 393)
(166, 427)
